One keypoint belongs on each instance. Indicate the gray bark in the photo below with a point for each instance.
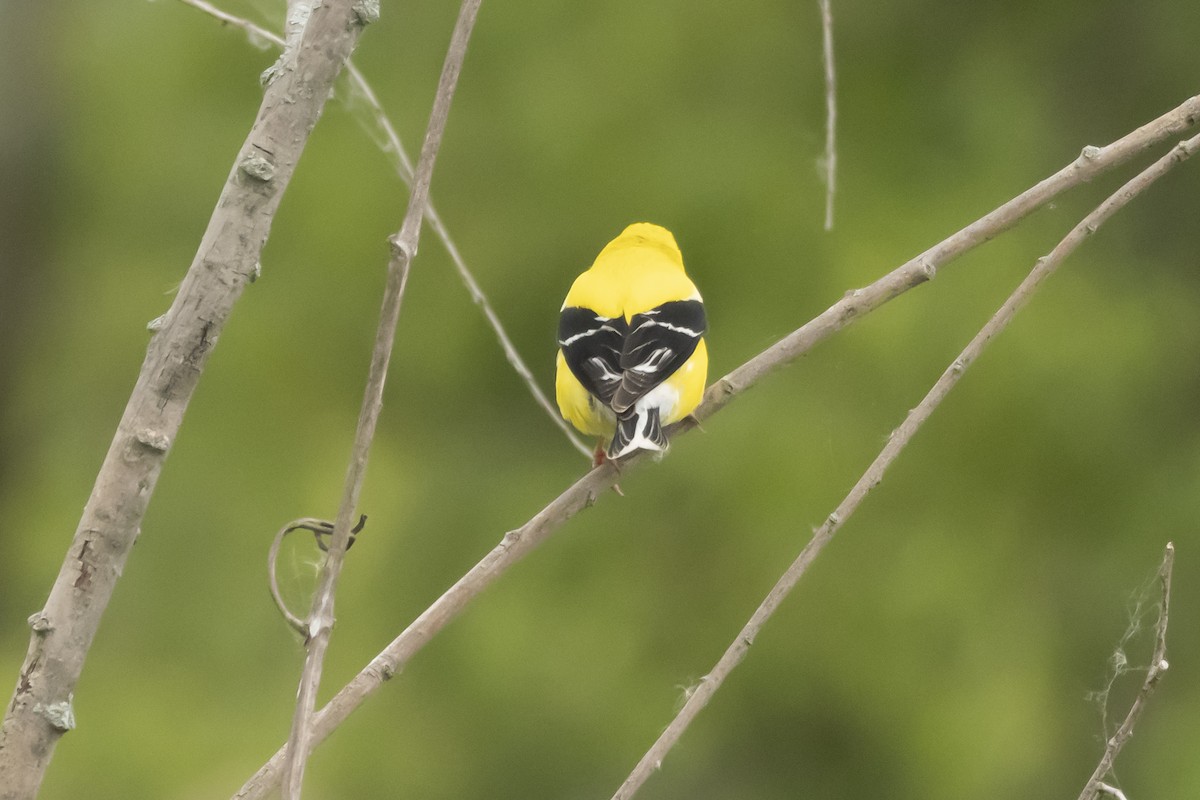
(62, 632)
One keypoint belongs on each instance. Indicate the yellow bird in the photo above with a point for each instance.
(631, 352)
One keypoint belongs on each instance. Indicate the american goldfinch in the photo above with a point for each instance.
(631, 352)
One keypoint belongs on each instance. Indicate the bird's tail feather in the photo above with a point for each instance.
(638, 430)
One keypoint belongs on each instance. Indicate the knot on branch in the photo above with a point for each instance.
(384, 668)
(402, 251)
(257, 167)
(60, 715)
(40, 623)
(365, 12)
(153, 440)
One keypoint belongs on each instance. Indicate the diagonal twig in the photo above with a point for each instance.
(1158, 665)
(404, 169)
(699, 697)
(404, 249)
(584, 492)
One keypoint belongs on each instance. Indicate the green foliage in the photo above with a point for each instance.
(941, 649)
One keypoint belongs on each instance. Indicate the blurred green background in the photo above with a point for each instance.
(944, 645)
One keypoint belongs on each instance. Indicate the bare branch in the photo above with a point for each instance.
(585, 491)
(1158, 665)
(830, 111)
(255, 31)
(404, 170)
(1090, 163)
(515, 544)
(177, 354)
(298, 14)
(510, 350)
(404, 249)
(899, 439)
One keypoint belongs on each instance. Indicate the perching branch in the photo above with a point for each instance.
(1158, 665)
(585, 491)
(1091, 162)
(227, 259)
(404, 170)
(698, 698)
(404, 249)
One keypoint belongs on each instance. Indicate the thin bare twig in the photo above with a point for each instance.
(830, 110)
(510, 350)
(404, 169)
(1158, 665)
(404, 249)
(698, 698)
(178, 352)
(256, 31)
(595, 484)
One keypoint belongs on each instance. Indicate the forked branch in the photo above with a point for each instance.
(698, 698)
(585, 491)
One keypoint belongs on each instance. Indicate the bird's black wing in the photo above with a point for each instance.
(659, 342)
(591, 345)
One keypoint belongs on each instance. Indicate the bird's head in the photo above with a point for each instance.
(647, 234)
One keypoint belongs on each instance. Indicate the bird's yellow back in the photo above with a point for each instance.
(639, 270)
